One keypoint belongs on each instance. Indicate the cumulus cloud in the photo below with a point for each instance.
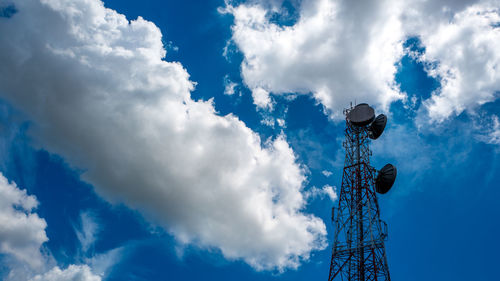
(261, 98)
(337, 50)
(100, 93)
(22, 235)
(464, 56)
(342, 51)
(72, 273)
(22, 231)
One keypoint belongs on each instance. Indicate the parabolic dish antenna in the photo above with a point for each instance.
(385, 179)
(378, 126)
(361, 115)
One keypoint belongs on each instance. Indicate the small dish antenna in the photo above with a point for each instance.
(377, 126)
(385, 179)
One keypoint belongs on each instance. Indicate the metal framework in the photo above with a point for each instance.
(358, 252)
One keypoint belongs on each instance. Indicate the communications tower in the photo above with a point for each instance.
(358, 251)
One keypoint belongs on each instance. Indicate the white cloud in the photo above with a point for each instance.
(465, 50)
(261, 98)
(326, 190)
(338, 50)
(22, 231)
(100, 94)
(329, 190)
(281, 122)
(72, 273)
(22, 235)
(327, 173)
(229, 86)
(343, 51)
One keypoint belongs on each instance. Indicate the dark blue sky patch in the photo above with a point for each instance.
(494, 106)
(4, 266)
(412, 76)
(288, 15)
(305, 112)
(122, 225)
(19, 160)
(455, 213)
(443, 204)
(52, 186)
(315, 140)
(155, 260)
(63, 197)
(7, 11)
(414, 44)
(402, 113)
(310, 132)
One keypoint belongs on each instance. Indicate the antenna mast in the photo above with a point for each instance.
(358, 251)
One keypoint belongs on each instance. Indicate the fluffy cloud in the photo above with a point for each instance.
(465, 57)
(326, 190)
(72, 273)
(22, 231)
(100, 94)
(342, 51)
(22, 235)
(337, 50)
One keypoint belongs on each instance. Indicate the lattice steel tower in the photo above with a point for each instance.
(358, 247)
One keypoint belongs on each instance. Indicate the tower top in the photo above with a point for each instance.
(361, 115)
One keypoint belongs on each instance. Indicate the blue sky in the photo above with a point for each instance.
(220, 158)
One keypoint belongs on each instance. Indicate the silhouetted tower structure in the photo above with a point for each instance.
(358, 251)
